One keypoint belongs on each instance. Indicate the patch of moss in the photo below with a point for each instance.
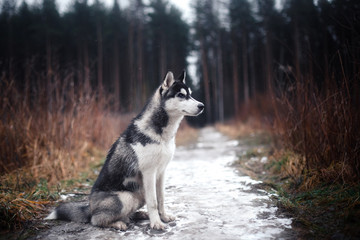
(276, 166)
(329, 211)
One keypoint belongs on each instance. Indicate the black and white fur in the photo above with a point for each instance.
(133, 173)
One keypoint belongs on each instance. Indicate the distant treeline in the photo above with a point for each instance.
(125, 52)
(245, 48)
(251, 47)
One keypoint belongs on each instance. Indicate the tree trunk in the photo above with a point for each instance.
(253, 74)
(245, 70)
(28, 67)
(48, 74)
(10, 48)
(235, 78)
(87, 87)
(140, 85)
(268, 52)
(204, 65)
(116, 76)
(297, 51)
(99, 59)
(79, 62)
(162, 55)
(220, 79)
(131, 65)
(326, 62)
(214, 84)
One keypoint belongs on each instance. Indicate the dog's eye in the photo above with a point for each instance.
(181, 95)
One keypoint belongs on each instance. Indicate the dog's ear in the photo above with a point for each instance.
(169, 80)
(182, 76)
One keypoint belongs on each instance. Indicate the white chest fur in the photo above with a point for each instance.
(154, 157)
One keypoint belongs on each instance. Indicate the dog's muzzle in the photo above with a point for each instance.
(201, 107)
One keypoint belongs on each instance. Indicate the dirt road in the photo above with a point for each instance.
(209, 198)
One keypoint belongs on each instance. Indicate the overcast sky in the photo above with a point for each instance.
(183, 5)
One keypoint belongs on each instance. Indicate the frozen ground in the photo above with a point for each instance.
(210, 199)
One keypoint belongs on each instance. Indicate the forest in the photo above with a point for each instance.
(66, 77)
(244, 49)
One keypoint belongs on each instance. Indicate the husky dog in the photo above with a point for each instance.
(133, 173)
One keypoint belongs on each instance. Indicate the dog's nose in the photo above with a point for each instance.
(201, 106)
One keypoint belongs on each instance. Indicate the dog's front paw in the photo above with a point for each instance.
(157, 225)
(167, 218)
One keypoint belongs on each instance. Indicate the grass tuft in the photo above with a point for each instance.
(19, 207)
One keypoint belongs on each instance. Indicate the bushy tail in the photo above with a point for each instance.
(76, 212)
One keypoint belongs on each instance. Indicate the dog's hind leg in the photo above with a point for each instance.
(106, 210)
(120, 225)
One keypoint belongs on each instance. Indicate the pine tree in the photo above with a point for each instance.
(241, 22)
(206, 25)
(98, 10)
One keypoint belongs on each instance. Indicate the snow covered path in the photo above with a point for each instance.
(209, 198)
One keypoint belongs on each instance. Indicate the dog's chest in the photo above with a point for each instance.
(156, 155)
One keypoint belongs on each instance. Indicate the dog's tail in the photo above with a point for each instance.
(74, 211)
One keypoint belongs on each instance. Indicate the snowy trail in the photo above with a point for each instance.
(208, 197)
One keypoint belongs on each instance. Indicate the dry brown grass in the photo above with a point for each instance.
(54, 136)
(323, 127)
(319, 127)
(48, 134)
(186, 134)
(17, 209)
(237, 129)
(289, 164)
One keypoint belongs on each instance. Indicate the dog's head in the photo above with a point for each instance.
(176, 97)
